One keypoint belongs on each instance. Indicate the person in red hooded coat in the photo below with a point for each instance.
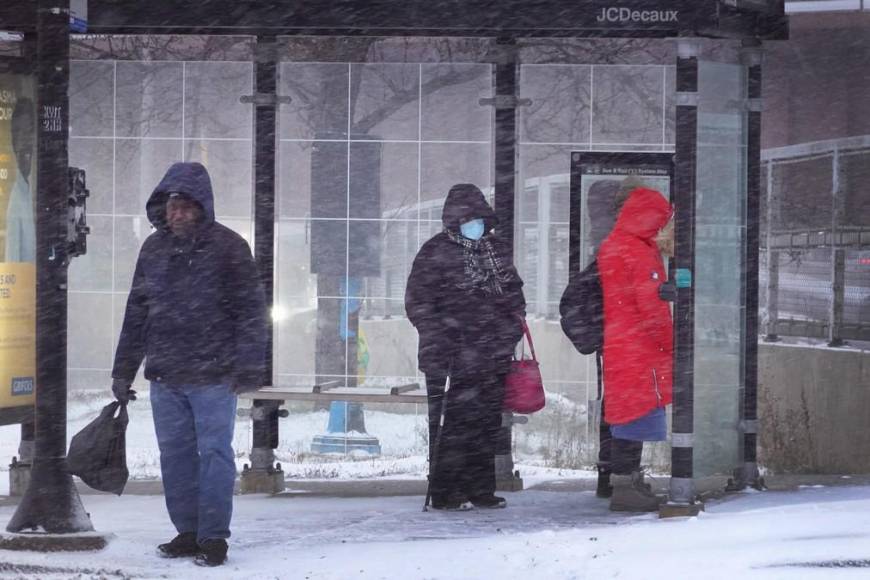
(638, 341)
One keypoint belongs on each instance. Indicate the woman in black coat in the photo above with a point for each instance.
(465, 299)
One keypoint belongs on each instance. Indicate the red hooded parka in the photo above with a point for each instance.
(638, 332)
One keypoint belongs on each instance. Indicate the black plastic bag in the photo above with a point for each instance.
(98, 453)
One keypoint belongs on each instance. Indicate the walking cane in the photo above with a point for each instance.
(433, 460)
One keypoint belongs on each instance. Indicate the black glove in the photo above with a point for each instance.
(245, 381)
(122, 389)
(668, 292)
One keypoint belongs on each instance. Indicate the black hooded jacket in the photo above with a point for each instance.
(196, 311)
(462, 328)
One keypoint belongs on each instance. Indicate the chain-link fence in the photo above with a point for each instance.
(815, 241)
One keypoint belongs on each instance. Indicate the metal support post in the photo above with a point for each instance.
(506, 101)
(681, 499)
(19, 470)
(838, 269)
(264, 475)
(506, 477)
(51, 516)
(747, 473)
(772, 290)
(772, 295)
(542, 268)
(838, 298)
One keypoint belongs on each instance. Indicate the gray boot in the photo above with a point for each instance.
(631, 494)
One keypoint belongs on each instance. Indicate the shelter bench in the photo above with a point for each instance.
(266, 476)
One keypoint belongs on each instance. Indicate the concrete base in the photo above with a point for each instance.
(345, 444)
(511, 483)
(19, 478)
(677, 510)
(740, 482)
(346, 432)
(802, 427)
(40, 542)
(261, 480)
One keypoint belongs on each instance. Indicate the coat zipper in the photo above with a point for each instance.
(192, 252)
(656, 384)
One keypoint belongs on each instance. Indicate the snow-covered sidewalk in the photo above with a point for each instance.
(542, 535)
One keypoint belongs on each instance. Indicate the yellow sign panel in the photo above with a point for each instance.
(17, 242)
(17, 334)
(8, 167)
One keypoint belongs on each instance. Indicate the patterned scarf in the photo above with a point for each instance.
(483, 267)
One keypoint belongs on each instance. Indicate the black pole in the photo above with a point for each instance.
(506, 102)
(263, 475)
(748, 475)
(51, 502)
(682, 486)
(265, 117)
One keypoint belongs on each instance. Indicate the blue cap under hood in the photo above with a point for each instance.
(190, 179)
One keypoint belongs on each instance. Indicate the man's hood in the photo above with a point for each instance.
(466, 202)
(188, 178)
(645, 212)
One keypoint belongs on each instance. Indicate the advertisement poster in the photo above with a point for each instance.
(17, 241)
(596, 179)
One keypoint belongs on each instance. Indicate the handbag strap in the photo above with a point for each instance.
(528, 336)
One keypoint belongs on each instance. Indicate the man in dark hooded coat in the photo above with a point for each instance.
(196, 314)
(465, 299)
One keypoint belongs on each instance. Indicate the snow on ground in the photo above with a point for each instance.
(542, 535)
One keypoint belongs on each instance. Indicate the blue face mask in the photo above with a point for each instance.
(473, 230)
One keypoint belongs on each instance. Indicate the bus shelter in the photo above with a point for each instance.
(333, 133)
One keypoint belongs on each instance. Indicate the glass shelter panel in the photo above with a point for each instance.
(137, 105)
(720, 224)
(583, 96)
(377, 131)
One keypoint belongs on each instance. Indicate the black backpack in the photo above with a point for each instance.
(582, 310)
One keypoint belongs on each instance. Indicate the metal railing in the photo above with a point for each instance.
(805, 6)
(815, 242)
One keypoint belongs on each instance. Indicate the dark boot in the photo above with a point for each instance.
(453, 502)
(213, 553)
(631, 494)
(181, 546)
(489, 502)
(604, 489)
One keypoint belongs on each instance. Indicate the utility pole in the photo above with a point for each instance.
(51, 516)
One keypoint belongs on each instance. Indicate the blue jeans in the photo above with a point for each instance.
(194, 426)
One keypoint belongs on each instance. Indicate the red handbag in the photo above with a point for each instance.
(524, 387)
